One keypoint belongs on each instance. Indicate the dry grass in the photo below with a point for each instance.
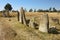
(27, 33)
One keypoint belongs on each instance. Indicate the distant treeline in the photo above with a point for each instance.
(5, 11)
(47, 10)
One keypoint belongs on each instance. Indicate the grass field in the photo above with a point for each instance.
(27, 33)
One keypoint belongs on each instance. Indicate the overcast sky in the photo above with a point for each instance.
(34, 4)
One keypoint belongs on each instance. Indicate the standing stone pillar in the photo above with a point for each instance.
(18, 15)
(44, 23)
(51, 23)
(22, 16)
(4, 15)
(59, 21)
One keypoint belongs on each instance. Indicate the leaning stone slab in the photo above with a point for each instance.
(31, 23)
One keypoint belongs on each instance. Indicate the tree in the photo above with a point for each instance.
(8, 8)
(39, 10)
(46, 10)
(30, 10)
(54, 9)
(34, 10)
(50, 9)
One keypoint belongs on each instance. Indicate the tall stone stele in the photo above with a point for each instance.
(44, 23)
(22, 16)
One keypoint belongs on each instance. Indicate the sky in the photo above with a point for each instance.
(28, 4)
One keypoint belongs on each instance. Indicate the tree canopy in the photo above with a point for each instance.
(8, 7)
(30, 10)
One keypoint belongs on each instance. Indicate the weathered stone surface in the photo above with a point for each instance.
(44, 23)
(22, 16)
(59, 21)
(4, 15)
(31, 24)
(51, 23)
(18, 16)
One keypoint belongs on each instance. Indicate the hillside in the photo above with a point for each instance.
(23, 32)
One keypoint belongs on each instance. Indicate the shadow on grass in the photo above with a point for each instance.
(53, 31)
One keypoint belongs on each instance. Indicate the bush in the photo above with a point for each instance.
(53, 30)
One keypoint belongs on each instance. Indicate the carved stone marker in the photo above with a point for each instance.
(44, 23)
(22, 16)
